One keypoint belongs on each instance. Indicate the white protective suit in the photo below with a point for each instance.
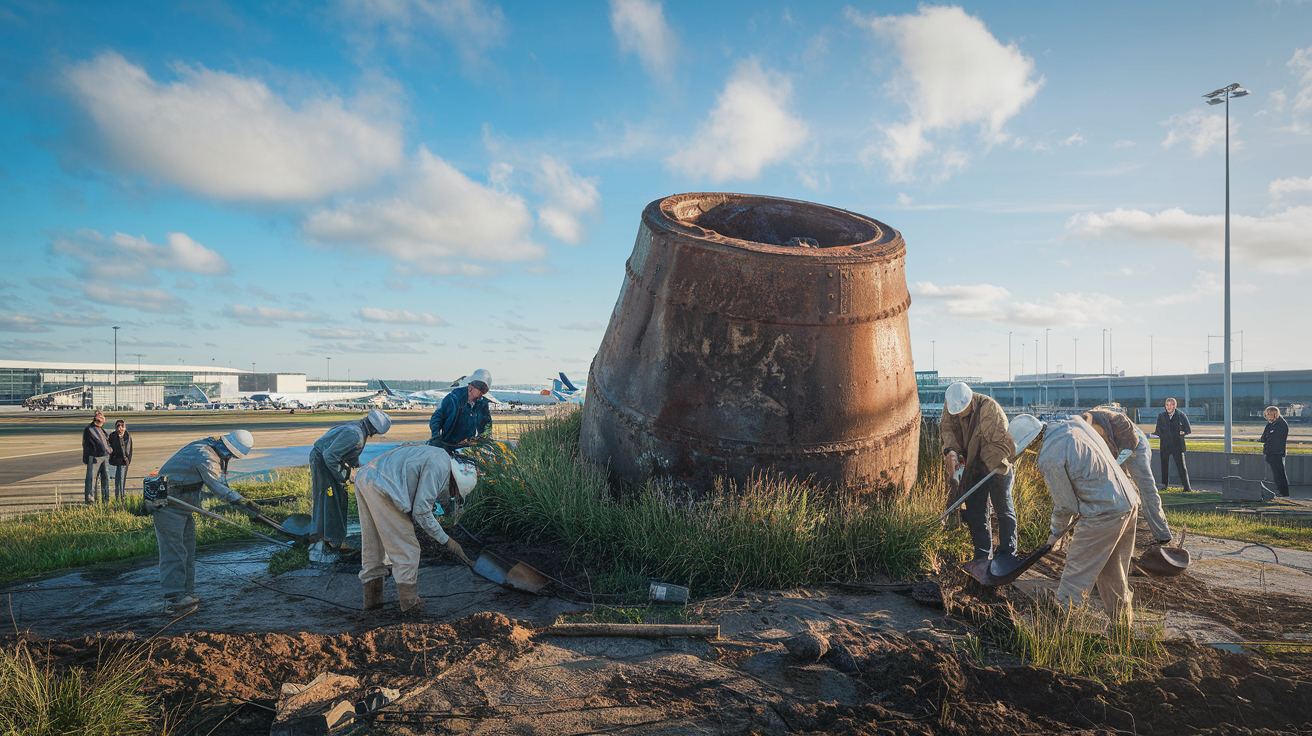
(1084, 479)
(400, 485)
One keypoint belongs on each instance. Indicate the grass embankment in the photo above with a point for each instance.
(38, 700)
(1078, 640)
(81, 535)
(765, 533)
(1293, 533)
(1250, 448)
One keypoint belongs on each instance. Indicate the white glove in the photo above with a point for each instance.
(1125, 455)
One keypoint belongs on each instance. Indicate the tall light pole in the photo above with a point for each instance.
(1008, 356)
(116, 368)
(1075, 371)
(1215, 98)
(1151, 372)
(1046, 373)
(933, 356)
(1104, 350)
(330, 371)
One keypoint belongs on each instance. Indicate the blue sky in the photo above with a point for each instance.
(416, 188)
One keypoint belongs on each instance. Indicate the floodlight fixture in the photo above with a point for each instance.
(1238, 92)
(1215, 102)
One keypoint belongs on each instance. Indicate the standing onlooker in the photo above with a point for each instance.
(95, 453)
(1273, 447)
(1172, 426)
(120, 456)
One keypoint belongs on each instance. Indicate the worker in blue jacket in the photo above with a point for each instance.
(462, 416)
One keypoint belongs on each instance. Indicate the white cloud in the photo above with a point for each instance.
(749, 128)
(122, 256)
(1201, 130)
(338, 333)
(640, 28)
(954, 73)
(438, 214)
(1292, 185)
(1277, 241)
(146, 300)
(568, 197)
(472, 26)
(1123, 144)
(42, 322)
(1075, 138)
(22, 323)
(269, 316)
(399, 316)
(1206, 284)
(231, 137)
(989, 303)
(1301, 64)
(588, 326)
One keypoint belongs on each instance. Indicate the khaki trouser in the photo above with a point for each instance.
(1100, 552)
(385, 532)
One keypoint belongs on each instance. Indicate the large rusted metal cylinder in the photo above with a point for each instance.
(733, 350)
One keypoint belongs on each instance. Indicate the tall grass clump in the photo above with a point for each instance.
(1078, 640)
(765, 532)
(38, 700)
(85, 534)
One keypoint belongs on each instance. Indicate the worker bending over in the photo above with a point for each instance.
(201, 465)
(463, 414)
(1129, 445)
(398, 489)
(331, 460)
(975, 443)
(1085, 480)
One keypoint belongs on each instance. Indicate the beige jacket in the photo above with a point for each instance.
(980, 435)
(413, 477)
(1082, 475)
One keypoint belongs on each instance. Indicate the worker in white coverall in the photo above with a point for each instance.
(331, 460)
(198, 466)
(1089, 488)
(1130, 446)
(398, 489)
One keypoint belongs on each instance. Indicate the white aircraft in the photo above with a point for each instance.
(302, 399)
(561, 390)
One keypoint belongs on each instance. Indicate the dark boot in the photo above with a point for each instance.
(373, 594)
(410, 600)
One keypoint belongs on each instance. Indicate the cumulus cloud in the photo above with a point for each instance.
(567, 198)
(989, 303)
(1199, 129)
(954, 73)
(231, 137)
(399, 316)
(269, 316)
(43, 322)
(474, 27)
(1276, 242)
(22, 323)
(438, 214)
(146, 300)
(640, 28)
(1301, 65)
(587, 326)
(1292, 185)
(122, 256)
(749, 128)
(338, 333)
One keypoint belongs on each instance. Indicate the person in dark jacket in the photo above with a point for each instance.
(1172, 426)
(95, 453)
(120, 456)
(462, 416)
(1273, 447)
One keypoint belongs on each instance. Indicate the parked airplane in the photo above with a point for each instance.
(303, 399)
(562, 390)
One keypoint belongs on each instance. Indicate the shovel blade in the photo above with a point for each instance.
(1163, 562)
(298, 525)
(493, 567)
(981, 569)
(522, 577)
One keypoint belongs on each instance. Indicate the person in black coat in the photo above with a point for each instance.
(120, 456)
(1274, 438)
(95, 452)
(1172, 426)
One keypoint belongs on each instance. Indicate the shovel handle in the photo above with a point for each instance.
(966, 495)
(188, 507)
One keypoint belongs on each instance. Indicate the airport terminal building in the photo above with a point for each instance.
(92, 385)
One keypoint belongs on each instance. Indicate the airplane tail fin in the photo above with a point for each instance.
(565, 380)
(386, 391)
(196, 393)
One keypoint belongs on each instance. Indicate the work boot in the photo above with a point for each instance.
(410, 600)
(180, 605)
(373, 594)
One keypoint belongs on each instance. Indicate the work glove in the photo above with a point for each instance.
(249, 507)
(454, 548)
(1123, 456)
(950, 464)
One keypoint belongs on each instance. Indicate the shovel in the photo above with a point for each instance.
(1165, 562)
(517, 575)
(982, 570)
(196, 509)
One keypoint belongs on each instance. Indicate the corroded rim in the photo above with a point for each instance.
(677, 214)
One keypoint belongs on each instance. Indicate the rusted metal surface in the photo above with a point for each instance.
(731, 351)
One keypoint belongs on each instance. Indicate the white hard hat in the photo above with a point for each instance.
(379, 420)
(1024, 428)
(466, 476)
(957, 398)
(239, 442)
(482, 374)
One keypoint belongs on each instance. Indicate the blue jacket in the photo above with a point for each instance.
(456, 421)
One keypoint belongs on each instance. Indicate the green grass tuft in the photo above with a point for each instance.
(38, 700)
(291, 558)
(764, 533)
(1078, 640)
